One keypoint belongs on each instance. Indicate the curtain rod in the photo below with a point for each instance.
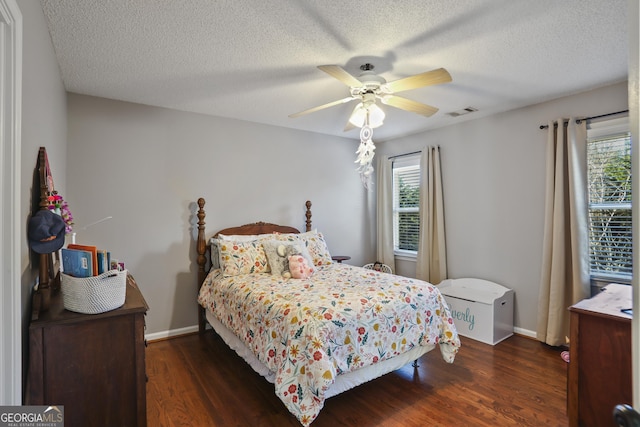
(591, 118)
(405, 154)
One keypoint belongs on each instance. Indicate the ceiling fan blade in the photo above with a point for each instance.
(349, 126)
(409, 105)
(339, 73)
(429, 78)
(322, 107)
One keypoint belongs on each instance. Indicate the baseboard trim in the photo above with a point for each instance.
(172, 333)
(524, 332)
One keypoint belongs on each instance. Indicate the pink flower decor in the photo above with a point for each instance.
(61, 207)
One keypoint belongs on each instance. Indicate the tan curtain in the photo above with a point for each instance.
(565, 258)
(384, 212)
(431, 263)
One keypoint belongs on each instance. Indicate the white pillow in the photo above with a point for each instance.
(239, 237)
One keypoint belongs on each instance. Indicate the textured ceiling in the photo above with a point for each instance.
(256, 60)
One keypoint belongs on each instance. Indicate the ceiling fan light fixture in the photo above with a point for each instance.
(359, 115)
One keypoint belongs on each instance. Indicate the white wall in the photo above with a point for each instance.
(44, 123)
(44, 115)
(147, 166)
(493, 177)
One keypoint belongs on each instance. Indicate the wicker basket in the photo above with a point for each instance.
(96, 294)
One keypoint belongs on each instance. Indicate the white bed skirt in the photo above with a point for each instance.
(343, 382)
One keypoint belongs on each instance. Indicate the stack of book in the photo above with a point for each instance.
(87, 261)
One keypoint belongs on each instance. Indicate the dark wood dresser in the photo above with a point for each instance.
(94, 365)
(599, 376)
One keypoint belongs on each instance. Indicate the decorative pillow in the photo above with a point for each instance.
(242, 258)
(286, 237)
(317, 247)
(300, 267)
(278, 253)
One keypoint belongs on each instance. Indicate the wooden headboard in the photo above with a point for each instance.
(202, 245)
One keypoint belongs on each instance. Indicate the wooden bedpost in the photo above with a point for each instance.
(202, 260)
(308, 215)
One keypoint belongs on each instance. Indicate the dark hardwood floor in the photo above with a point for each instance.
(198, 381)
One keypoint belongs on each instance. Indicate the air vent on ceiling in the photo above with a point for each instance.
(462, 112)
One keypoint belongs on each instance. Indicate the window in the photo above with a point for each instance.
(609, 186)
(406, 205)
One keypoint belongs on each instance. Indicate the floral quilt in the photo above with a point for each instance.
(342, 318)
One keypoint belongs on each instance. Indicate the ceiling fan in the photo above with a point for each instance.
(368, 88)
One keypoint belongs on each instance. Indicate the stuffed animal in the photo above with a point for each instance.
(278, 255)
(284, 252)
(299, 267)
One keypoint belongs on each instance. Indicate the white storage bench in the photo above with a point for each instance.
(481, 309)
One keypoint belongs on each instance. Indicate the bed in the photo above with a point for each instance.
(313, 337)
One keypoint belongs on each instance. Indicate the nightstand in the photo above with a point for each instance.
(340, 258)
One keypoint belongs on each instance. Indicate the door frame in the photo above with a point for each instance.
(10, 203)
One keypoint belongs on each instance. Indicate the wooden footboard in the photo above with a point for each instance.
(256, 228)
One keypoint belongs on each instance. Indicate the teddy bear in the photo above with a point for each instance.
(299, 267)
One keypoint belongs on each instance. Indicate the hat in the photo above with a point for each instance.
(46, 231)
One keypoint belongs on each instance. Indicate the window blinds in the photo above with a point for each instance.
(406, 203)
(609, 187)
